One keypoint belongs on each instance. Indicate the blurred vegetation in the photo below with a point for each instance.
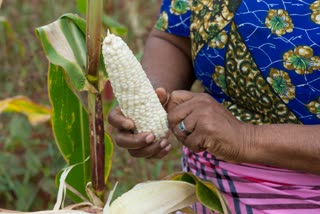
(29, 158)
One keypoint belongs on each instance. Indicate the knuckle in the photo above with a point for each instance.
(206, 98)
(136, 139)
(174, 95)
(176, 131)
(170, 118)
(113, 115)
(117, 139)
(206, 112)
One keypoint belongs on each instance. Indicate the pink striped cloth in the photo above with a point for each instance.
(256, 189)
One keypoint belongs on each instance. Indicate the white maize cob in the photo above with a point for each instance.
(133, 90)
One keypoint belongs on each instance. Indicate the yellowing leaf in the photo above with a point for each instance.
(35, 113)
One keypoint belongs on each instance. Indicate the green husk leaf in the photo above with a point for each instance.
(207, 194)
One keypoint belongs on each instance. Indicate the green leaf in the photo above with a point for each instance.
(71, 130)
(77, 20)
(70, 126)
(82, 6)
(114, 26)
(108, 145)
(207, 194)
(76, 181)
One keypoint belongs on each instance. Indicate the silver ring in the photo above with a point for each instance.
(183, 128)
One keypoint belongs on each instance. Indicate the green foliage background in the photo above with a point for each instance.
(29, 158)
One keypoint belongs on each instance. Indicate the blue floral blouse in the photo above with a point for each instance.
(260, 59)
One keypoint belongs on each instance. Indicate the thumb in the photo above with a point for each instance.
(163, 96)
(179, 97)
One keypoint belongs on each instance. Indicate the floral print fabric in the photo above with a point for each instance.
(261, 59)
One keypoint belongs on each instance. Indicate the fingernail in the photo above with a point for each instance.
(168, 148)
(163, 143)
(149, 138)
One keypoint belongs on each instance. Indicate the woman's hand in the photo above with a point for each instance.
(142, 144)
(209, 126)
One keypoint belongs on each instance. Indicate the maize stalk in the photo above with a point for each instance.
(154, 197)
(132, 88)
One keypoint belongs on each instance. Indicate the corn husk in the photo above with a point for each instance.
(154, 197)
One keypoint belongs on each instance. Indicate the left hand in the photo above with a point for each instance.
(138, 144)
(212, 127)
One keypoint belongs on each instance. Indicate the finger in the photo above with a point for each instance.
(162, 153)
(195, 104)
(185, 127)
(147, 151)
(129, 140)
(163, 96)
(119, 121)
(179, 97)
(194, 142)
(180, 112)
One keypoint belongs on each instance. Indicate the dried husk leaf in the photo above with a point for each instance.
(154, 197)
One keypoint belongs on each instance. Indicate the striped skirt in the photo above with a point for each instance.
(256, 189)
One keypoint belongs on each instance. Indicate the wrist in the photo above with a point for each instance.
(260, 150)
(250, 143)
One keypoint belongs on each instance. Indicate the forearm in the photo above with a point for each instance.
(167, 61)
(287, 146)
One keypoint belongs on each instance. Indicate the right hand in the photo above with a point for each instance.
(140, 144)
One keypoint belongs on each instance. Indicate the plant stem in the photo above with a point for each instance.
(97, 151)
(93, 42)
